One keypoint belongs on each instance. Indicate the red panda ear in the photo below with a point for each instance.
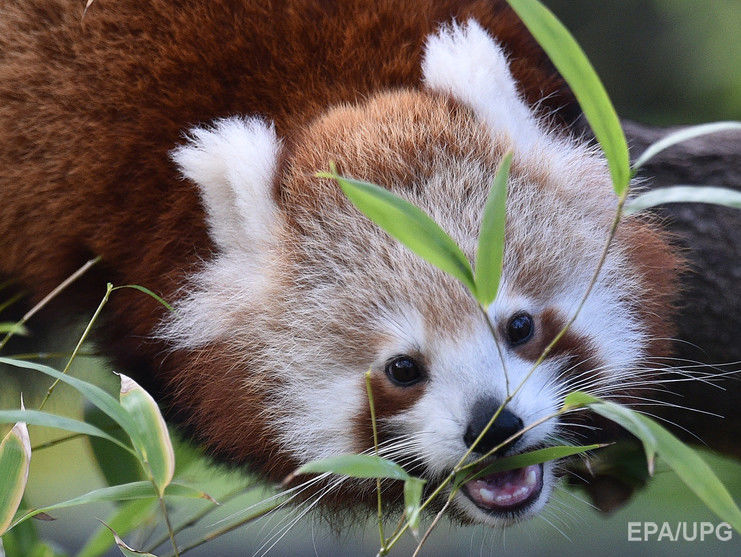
(465, 62)
(234, 164)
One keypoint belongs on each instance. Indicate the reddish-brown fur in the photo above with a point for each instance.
(90, 109)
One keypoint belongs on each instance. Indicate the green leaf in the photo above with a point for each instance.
(125, 549)
(123, 520)
(683, 135)
(93, 393)
(44, 419)
(148, 292)
(153, 440)
(15, 460)
(118, 466)
(684, 194)
(15, 328)
(126, 492)
(524, 459)
(42, 549)
(5, 304)
(572, 63)
(694, 472)
(21, 540)
(578, 399)
(413, 488)
(490, 252)
(355, 466)
(408, 224)
(685, 462)
(626, 417)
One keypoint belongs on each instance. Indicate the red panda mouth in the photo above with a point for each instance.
(506, 491)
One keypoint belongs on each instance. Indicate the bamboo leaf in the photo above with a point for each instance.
(413, 488)
(15, 461)
(490, 252)
(153, 440)
(93, 393)
(681, 136)
(684, 194)
(14, 328)
(626, 417)
(408, 224)
(525, 459)
(118, 466)
(126, 492)
(572, 63)
(685, 462)
(694, 472)
(44, 419)
(354, 466)
(21, 540)
(125, 549)
(123, 520)
(146, 291)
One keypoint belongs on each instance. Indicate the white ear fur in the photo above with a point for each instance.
(234, 164)
(467, 63)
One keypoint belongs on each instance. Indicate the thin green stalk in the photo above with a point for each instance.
(375, 445)
(55, 442)
(35, 309)
(10, 301)
(402, 521)
(422, 507)
(166, 515)
(187, 523)
(52, 355)
(499, 348)
(437, 518)
(592, 282)
(226, 529)
(86, 332)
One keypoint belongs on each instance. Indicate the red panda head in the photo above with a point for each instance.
(304, 294)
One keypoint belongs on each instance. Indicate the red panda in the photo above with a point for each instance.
(180, 141)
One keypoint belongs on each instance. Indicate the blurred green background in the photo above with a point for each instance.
(663, 62)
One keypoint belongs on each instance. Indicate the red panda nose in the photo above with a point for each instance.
(506, 425)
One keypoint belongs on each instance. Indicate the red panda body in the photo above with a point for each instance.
(91, 110)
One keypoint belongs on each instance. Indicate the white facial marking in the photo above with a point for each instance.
(466, 62)
(234, 163)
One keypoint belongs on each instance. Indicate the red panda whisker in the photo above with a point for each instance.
(275, 538)
(556, 528)
(294, 491)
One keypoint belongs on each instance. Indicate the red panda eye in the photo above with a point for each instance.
(404, 371)
(520, 328)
